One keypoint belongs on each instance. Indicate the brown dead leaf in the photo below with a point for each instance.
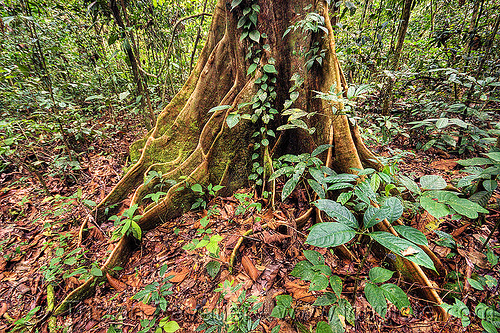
(115, 283)
(250, 268)
(459, 231)
(444, 164)
(266, 279)
(300, 291)
(409, 251)
(147, 309)
(477, 258)
(179, 274)
(190, 305)
(274, 237)
(3, 309)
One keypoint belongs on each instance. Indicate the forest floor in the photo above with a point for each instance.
(38, 245)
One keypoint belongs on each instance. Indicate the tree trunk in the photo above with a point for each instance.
(191, 144)
(387, 91)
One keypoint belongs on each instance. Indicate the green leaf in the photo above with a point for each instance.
(314, 257)
(459, 310)
(467, 207)
(411, 234)
(410, 184)
(475, 284)
(379, 274)
(396, 208)
(375, 215)
(320, 149)
(327, 298)
(284, 300)
(318, 282)
(270, 69)
(442, 123)
(475, 161)
(289, 187)
(494, 156)
(375, 296)
(213, 268)
(251, 68)
(232, 119)
(490, 185)
(218, 108)
(317, 188)
(396, 296)
(95, 271)
(337, 211)
(399, 246)
(336, 284)
(436, 209)
(136, 230)
(303, 270)
(488, 326)
(235, 3)
(254, 35)
(323, 327)
(432, 182)
(171, 326)
(330, 234)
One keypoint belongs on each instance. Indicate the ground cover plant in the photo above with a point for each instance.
(313, 166)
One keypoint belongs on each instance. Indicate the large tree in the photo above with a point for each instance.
(244, 75)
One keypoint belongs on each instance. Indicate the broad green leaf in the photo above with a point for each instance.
(323, 327)
(488, 326)
(314, 257)
(303, 270)
(432, 182)
(399, 246)
(475, 284)
(494, 156)
(490, 185)
(251, 69)
(136, 230)
(254, 35)
(320, 149)
(235, 3)
(289, 187)
(232, 119)
(459, 310)
(213, 268)
(336, 284)
(475, 161)
(327, 298)
(318, 282)
(337, 211)
(379, 274)
(467, 208)
(396, 296)
(396, 208)
(279, 311)
(284, 300)
(270, 69)
(436, 209)
(95, 271)
(410, 184)
(411, 234)
(330, 234)
(317, 188)
(375, 296)
(375, 215)
(171, 326)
